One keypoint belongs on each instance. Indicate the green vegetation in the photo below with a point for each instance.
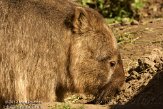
(127, 38)
(73, 98)
(116, 9)
(65, 106)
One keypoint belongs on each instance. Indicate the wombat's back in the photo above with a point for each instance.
(33, 48)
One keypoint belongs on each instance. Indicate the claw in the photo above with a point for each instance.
(91, 102)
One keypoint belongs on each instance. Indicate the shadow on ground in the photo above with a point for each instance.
(151, 97)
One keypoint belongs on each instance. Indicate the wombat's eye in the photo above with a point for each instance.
(112, 63)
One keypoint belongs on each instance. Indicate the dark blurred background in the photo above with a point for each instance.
(117, 10)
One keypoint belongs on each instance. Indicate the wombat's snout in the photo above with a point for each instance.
(113, 85)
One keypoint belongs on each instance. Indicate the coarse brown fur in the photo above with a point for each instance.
(50, 47)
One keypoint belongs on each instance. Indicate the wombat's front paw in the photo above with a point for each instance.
(91, 102)
(98, 101)
(101, 101)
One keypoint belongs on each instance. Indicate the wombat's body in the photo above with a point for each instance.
(48, 49)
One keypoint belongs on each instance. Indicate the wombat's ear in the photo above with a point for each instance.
(80, 20)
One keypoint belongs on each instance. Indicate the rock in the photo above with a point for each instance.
(134, 22)
(125, 21)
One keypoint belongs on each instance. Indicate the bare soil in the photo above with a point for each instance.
(142, 53)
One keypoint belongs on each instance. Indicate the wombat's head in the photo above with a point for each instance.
(96, 64)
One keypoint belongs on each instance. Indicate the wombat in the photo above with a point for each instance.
(49, 48)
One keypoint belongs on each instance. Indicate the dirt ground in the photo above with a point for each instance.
(139, 40)
(141, 48)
